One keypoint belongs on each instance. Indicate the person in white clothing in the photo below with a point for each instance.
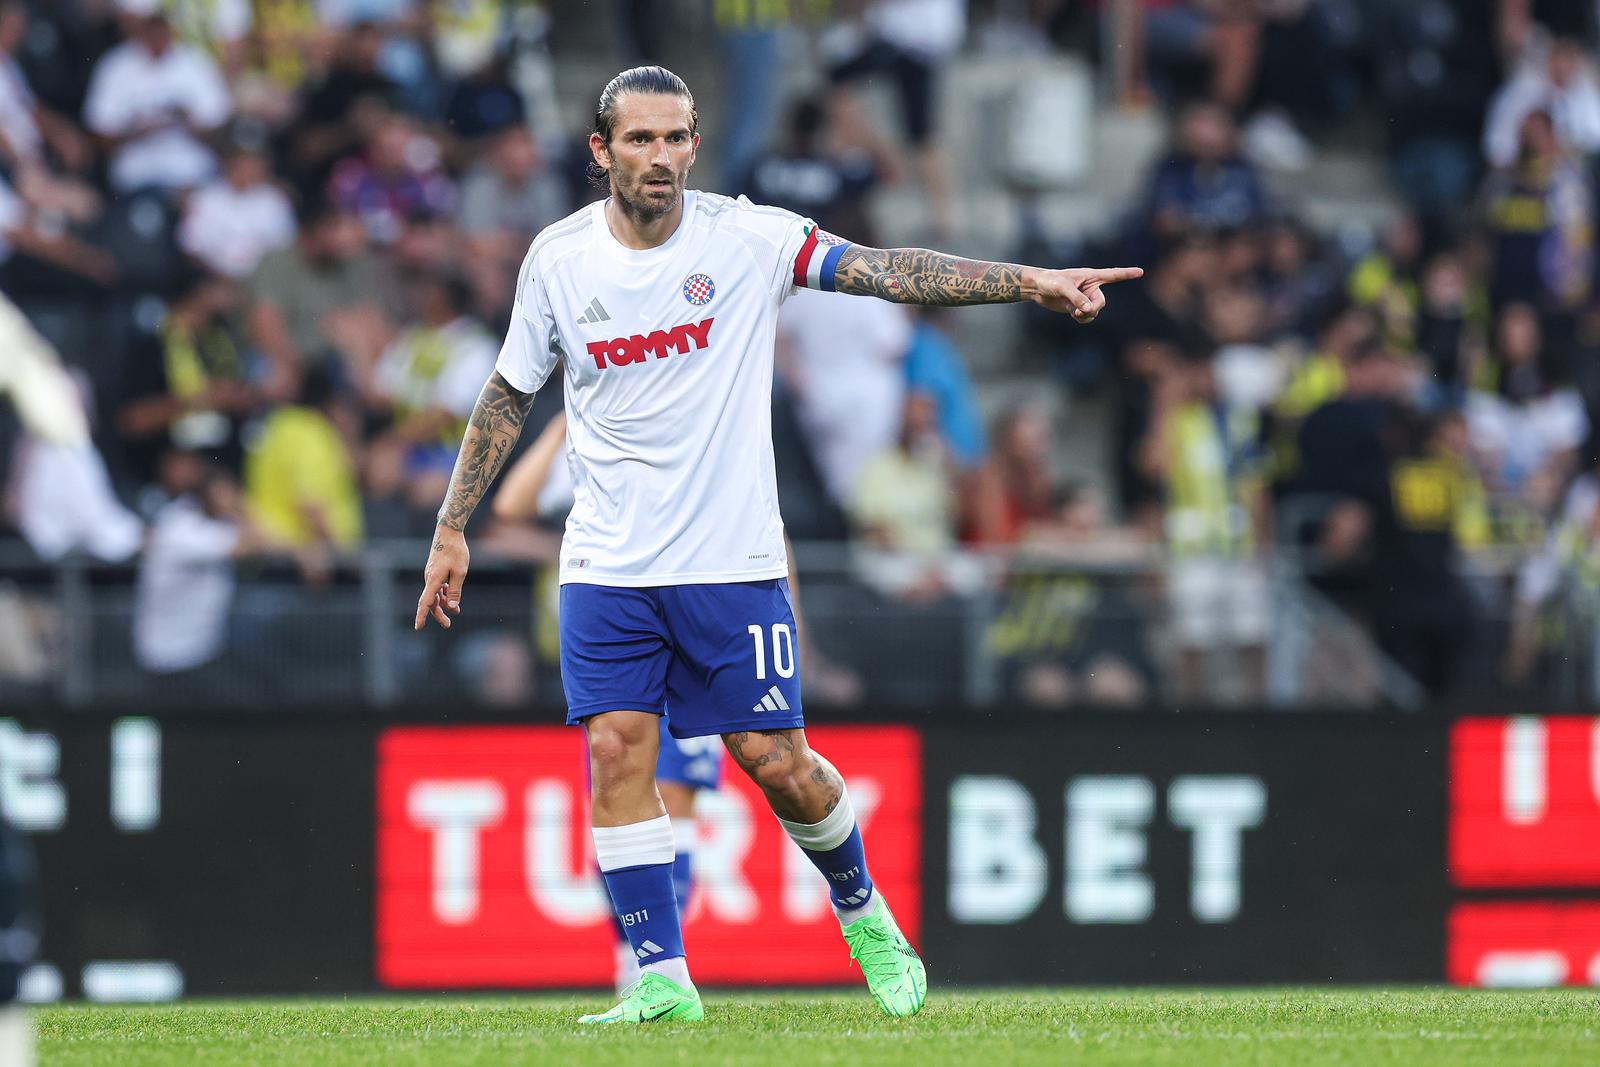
(231, 223)
(155, 100)
(662, 306)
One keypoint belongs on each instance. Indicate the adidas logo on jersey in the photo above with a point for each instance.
(622, 351)
(595, 312)
(773, 701)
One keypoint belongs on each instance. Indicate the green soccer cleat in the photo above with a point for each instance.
(894, 972)
(653, 999)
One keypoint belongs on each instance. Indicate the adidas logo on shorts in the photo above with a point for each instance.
(773, 701)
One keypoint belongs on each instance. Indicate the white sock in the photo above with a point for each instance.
(850, 915)
(627, 966)
(676, 969)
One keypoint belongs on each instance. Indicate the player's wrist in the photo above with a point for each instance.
(1029, 282)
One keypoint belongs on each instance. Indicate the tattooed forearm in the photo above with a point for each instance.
(922, 276)
(492, 431)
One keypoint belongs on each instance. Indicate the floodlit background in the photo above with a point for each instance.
(1335, 454)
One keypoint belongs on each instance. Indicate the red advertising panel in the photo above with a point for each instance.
(1525, 802)
(1524, 943)
(486, 877)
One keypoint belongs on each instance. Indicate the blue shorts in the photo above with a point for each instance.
(692, 761)
(714, 659)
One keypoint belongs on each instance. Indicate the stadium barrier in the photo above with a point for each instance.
(266, 853)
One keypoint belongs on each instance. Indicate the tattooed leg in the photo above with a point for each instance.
(800, 785)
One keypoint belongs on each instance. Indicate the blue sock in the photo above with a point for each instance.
(637, 864)
(834, 847)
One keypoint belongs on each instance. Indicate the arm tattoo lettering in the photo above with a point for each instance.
(492, 431)
(922, 276)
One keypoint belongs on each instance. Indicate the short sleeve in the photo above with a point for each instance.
(207, 100)
(807, 255)
(532, 345)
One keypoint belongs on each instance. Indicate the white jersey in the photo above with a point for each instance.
(668, 379)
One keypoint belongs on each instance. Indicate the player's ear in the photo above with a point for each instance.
(601, 152)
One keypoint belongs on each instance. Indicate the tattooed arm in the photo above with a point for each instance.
(492, 432)
(922, 276)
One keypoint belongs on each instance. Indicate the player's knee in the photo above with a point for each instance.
(618, 751)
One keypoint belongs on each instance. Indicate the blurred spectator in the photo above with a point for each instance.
(812, 177)
(219, 27)
(1066, 637)
(1560, 583)
(935, 366)
(338, 107)
(397, 176)
(752, 66)
(425, 386)
(1387, 279)
(1016, 489)
(188, 385)
(309, 296)
(1224, 37)
(1205, 184)
(188, 561)
(1526, 429)
(33, 137)
(483, 104)
(904, 512)
(1561, 82)
(1208, 456)
(300, 474)
(155, 101)
(1409, 523)
(506, 199)
(1539, 214)
(1297, 281)
(909, 41)
(1449, 327)
(844, 360)
(231, 223)
(402, 27)
(29, 238)
(1436, 70)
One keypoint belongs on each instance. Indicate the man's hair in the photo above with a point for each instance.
(657, 80)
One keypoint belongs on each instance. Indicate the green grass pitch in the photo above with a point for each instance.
(996, 1028)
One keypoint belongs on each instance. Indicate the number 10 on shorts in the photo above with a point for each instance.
(782, 649)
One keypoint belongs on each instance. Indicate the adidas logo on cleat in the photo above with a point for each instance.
(773, 701)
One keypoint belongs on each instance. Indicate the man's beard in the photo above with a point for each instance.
(644, 208)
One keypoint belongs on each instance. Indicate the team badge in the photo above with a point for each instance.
(698, 289)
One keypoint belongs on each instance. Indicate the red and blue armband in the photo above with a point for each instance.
(818, 258)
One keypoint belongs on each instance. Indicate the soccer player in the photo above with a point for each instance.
(685, 765)
(662, 305)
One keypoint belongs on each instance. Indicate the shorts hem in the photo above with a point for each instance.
(795, 722)
(584, 711)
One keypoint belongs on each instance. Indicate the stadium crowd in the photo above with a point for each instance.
(257, 255)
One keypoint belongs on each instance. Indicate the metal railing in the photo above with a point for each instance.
(1001, 629)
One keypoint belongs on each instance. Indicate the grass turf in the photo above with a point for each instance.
(1408, 1026)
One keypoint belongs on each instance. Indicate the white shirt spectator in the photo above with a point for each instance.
(1574, 108)
(849, 372)
(188, 561)
(1519, 439)
(230, 229)
(131, 88)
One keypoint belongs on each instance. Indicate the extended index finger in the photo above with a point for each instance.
(1107, 275)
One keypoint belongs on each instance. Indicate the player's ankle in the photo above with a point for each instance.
(675, 970)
